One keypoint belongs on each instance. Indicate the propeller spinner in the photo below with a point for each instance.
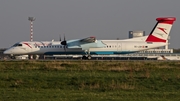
(64, 41)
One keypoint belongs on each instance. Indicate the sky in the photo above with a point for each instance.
(104, 19)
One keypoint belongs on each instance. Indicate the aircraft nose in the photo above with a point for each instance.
(7, 52)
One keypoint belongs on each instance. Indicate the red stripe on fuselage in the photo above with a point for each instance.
(27, 45)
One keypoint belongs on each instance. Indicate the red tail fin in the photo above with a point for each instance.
(161, 30)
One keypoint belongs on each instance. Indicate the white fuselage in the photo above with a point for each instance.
(109, 47)
(157, 38)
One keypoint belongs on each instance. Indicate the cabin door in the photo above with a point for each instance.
(119, 47)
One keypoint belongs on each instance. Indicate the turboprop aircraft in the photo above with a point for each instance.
(91, 46)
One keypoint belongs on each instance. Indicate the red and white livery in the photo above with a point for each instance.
(90, 45)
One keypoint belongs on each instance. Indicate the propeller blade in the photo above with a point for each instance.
(59, 37)
(64, 38)
(65, 47)
(64, 43)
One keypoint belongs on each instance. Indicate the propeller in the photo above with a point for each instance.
(64, 43)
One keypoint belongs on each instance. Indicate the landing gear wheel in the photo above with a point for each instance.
(89, 57)
(84, 57)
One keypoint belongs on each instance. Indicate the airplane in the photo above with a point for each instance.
(91, 46)
(162, 57)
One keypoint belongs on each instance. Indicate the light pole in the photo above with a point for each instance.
(31, 19)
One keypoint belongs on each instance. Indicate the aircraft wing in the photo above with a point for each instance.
(85, 43)
(88, 39)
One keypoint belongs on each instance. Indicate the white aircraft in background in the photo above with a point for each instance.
(91, 46)
(162, 57)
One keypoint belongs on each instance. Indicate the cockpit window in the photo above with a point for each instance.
(15, 45)
(19, 44)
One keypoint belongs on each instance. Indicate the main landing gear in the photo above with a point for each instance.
(86, 57)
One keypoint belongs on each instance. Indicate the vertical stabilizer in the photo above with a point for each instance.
(161, 30)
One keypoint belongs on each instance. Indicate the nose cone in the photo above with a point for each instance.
(7, 52)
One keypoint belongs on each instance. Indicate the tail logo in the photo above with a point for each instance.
(162, 29)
